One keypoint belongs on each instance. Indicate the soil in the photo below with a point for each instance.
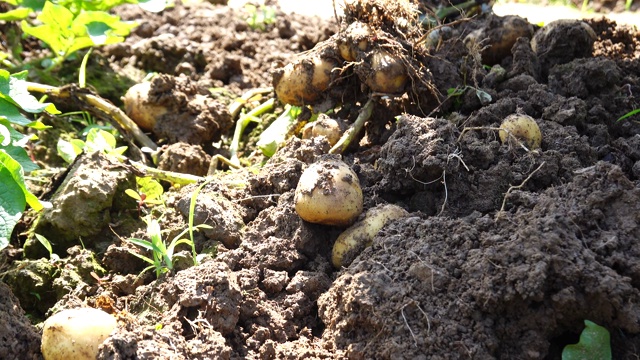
(506, 251)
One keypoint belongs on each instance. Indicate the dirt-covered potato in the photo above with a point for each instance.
(388, 74)
(355, 40)
(76, 334)
(138, 108)
(522, 127)
(329, 193)
(325, 126)
(360, 235)
(303, 82)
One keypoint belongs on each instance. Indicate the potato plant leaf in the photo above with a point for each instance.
(65, 32)
(12, 198)
(594, 344)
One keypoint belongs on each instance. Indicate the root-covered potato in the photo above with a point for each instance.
(303, 82)
(360, 235)
(138, 108)
(329, 193)
(388, 73)
(522, 127)
(76, 334)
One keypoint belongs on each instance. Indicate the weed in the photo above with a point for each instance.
(260, 17)
(162, 254)
(97, 140)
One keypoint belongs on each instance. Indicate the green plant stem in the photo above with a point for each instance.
(237, 104)
(96, 102)
(170, 176)
(241, 125)
(354, 129)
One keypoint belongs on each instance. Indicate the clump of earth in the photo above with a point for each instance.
(506, 250)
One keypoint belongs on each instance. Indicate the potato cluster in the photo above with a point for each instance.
(373, 45)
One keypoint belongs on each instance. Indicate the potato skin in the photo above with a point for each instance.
(329, 193)
(304, 81)
(76, 334)
(360, 235)
(138, 108)
(387, 74)
(523, 128)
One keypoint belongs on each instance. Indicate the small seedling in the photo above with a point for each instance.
(47, 244)
(594, 344)
(97, 140)
(260, 17)
(149, 193)
(162, 254)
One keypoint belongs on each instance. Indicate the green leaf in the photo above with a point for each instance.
(20, 155)
(276, 133)
(5, 135)
(629, 114)
(45, 242)
(12, 200)
(594, 344)
(152, 189)
(67, 150)
(16, 172)
(16, 14)
(99, 140)
(13, 88)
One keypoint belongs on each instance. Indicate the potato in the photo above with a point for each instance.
(303, 82)
(522, 127)
(138, 108)
(324, 126)
(360, 235)
(329, 193)
(355, 40)
(76, 334)
(388, 73)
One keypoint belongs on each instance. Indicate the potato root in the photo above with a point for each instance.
(138, 108)
(76, 334)
(360, 235)
(303, 82)
(329, 193)
(522, 127)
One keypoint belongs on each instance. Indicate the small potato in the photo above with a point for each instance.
(329, 193)
(303, 82)
(324, 126)
(388, 73)
(522, 127)
(354, 40)
(360, 235)
(138, 108)
(76, 334)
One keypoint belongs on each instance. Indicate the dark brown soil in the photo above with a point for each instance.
(505, 253)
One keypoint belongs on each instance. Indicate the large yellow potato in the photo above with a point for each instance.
(522, 127)
(76, 334)
(329, 193)
(304, 81)
(360, 235)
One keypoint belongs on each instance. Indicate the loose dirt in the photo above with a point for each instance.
(505, 253)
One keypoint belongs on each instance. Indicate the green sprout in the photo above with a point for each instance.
(594, 344)
(97, 140)
(259, 18)
(162, 253)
